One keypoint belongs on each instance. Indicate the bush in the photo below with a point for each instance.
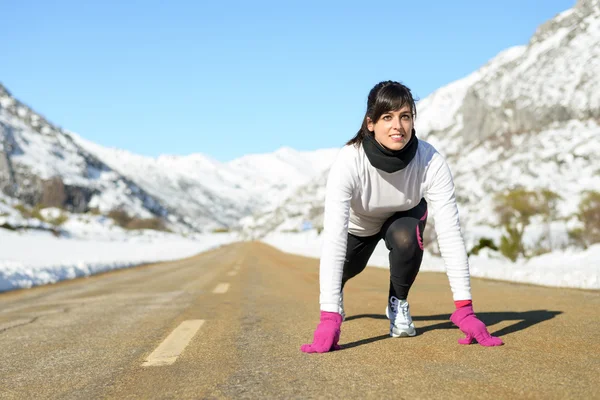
(94, 211)
(577, 237)
(483, 243)
(35, 213)
(25, 212)
(511, 245)
(549, 212)
(589, 215)
(548, 204)
(517, 207)
(125, 221)
(120, 217)
(156, 224)
(515, 210)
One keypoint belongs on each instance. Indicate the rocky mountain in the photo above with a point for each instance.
(529, 118)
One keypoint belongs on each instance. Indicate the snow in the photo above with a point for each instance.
(568, 268)
(94, 245)
(37, 258)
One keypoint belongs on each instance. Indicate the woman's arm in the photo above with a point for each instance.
(335, 236)
(340, 186)
(441, 200)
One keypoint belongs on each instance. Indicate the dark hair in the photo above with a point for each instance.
(384, 97)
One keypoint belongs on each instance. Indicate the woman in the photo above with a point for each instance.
(380, 187)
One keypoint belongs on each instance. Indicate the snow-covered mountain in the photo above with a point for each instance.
(528, 118)
(214, 194)
(192, 193)
(40, 163)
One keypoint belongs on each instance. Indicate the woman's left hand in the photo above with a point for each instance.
(471, 326)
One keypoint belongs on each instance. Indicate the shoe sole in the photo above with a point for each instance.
(403, 334)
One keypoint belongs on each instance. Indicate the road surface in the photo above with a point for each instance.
(229, 324)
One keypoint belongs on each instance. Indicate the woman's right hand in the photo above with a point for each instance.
(326, 335)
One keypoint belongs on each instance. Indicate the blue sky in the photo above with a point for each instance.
(235, 77)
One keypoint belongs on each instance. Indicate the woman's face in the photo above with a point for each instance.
(393, 129)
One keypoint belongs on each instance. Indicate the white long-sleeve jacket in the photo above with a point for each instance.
(360, 198)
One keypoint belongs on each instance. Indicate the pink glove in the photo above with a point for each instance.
(326, 335)
(468, 323)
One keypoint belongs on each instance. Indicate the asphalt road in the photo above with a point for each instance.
(229, 323)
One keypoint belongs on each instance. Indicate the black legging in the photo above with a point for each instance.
(403, 235)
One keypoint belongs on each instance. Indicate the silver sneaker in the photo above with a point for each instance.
(398, 312)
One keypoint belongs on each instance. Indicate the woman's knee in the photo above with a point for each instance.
(402, 235)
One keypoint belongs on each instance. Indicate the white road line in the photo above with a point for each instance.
(221, 288)
(172, 347)
(232, 273)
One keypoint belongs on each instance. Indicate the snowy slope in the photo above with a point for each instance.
(211, 193)
(277, 175)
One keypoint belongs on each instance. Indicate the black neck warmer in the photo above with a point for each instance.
(389, 160)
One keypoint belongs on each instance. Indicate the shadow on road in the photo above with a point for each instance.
(522, 320)
(364, 341)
